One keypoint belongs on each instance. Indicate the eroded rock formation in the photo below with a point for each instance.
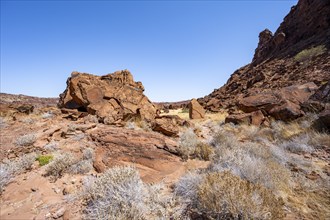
(297, 53)
(112, 98)
(196, 111)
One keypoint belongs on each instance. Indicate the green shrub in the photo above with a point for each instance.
(185, 110)
(44, 159)
(308, 54)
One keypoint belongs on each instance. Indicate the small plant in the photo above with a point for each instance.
(26, 140)
(307, 54)
(44, 159)
(203, 151)
(51, 146)
(185, 110)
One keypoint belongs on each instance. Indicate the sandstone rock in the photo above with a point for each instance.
(111, 97)
(59, 213)
(257, 118)
(169, 124)
(114, 145)
(254, 118)
(275, 64)
(244, 118)
(25, 108)
(283, 104)
(196, 111)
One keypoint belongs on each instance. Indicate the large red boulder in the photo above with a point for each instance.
(112, 97)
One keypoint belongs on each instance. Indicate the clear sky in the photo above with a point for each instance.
(178, 49)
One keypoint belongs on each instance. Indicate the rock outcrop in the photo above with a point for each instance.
(297, 53)
(112, 98)
(196, 111)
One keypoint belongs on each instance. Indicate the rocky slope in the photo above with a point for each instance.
(297, 53)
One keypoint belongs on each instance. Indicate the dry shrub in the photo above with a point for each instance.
(222, 195)
(203, 151)
(317, 139)
(9, 169)
(283, 131)
(120, 194)
(59, 165)
(68, 163)
(26, 140)
(254, 162)
(187, 143)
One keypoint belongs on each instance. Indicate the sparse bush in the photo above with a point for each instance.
(88, 154)
(187, 143)
(317, 139)
(284, 131)
(185, 110)
(51, 146)
(44, 159)
(296, 146)
(28, 120)
(26, 140)
(59, 165)
(81, 167)
(3, 122)
(10, 169)
(203, 151)
(119, 193)
(254, 163)
(187, 187)
(47, 115)
(222, 195)
(307, 54)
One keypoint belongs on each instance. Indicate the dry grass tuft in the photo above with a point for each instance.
(9, 169)
(226, 196)
(26, 140)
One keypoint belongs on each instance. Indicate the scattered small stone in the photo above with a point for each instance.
(313, 176)
(59, 213)
(56, 190)
(38, 204)
(34, 189)
(73, 181)
(68, 190)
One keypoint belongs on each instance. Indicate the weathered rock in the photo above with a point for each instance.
(322, 124)
(254, 118)
(115, 145)
(244, 118)
(25, 108)
(286, 112)
(169, 125)
(276, 62)
(283, 104)
(196, 111)
(112, 97)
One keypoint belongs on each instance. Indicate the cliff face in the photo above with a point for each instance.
(298, 52)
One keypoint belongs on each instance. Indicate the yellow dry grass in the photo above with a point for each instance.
(217, 117)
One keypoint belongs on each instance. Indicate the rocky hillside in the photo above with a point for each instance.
(297, 53)
(24, 99)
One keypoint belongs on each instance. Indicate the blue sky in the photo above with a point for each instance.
(178, 49)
